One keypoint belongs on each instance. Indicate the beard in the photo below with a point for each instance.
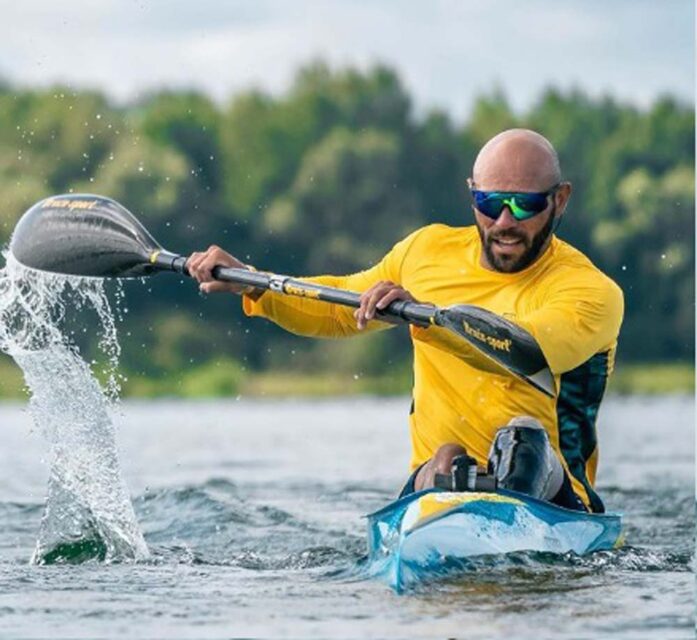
(533, 246)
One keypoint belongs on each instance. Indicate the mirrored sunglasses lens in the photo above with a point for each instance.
(521, 205)
(524, 206)
(488, 204)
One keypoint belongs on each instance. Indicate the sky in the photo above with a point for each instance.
(447, 52)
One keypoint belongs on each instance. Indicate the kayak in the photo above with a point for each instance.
(432, 533)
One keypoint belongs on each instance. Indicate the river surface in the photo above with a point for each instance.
(252, 514)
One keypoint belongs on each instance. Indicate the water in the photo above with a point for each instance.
(88, 510)
(252, 511)
(246, 515)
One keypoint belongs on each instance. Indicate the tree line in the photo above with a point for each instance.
(326, 178)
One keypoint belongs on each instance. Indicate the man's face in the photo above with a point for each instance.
(511, 246)
(518, 161)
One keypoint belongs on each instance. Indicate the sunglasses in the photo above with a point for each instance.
(522, 205)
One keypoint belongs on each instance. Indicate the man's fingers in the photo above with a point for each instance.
(391, 296)
(366, 310)
(192, 263)
(371, 297)
(201, 263)
(360, 313)
(374, 295)
(216, 286)
(213, 257)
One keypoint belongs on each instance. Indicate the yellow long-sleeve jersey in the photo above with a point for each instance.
(572, 309)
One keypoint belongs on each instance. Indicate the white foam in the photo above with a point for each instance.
(87, 499)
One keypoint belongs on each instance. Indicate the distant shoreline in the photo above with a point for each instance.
(225, 379)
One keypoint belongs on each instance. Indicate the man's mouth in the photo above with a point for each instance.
(507, 242)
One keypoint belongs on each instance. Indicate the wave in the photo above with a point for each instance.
(221, 523)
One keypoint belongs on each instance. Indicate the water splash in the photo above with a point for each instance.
(88, 512)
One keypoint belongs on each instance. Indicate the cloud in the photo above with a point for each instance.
(446, 51)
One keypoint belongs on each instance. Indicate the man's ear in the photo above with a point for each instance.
(561, 197)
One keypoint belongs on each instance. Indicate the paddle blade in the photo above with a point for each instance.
(504, 342)
(83, 235)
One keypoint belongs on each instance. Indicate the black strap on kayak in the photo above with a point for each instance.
(465, 476)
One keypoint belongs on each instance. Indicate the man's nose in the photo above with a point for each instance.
(506, 219)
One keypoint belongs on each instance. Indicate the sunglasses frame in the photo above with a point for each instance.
(511, 195)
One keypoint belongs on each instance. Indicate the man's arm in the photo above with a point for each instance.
(308, 317)
(577, 322)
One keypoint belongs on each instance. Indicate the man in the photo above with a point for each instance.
(511, 264)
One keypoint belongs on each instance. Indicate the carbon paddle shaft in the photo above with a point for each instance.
(399, 311)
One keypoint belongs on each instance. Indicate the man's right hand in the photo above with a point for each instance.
(379, 297)
(200, 265)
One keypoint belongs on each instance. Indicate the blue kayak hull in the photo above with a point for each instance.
(429, 534)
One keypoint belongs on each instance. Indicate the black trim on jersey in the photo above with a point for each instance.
(580, 393)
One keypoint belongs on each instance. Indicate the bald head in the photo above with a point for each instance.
(517, 160)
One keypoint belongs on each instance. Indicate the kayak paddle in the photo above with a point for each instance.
(90, 235)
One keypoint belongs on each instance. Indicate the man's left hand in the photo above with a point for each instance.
(378, 297)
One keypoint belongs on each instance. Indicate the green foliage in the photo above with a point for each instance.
(11, 379)
(357, 100)
(80, 127)
(490, 115)
(326, 178)
(189, 123)
(652, 234)
(436, 162)
(141, 176)
(654, 378)
(346, 190)
(49, 140)
(264, 139)
(330, 383)
(217, 378)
